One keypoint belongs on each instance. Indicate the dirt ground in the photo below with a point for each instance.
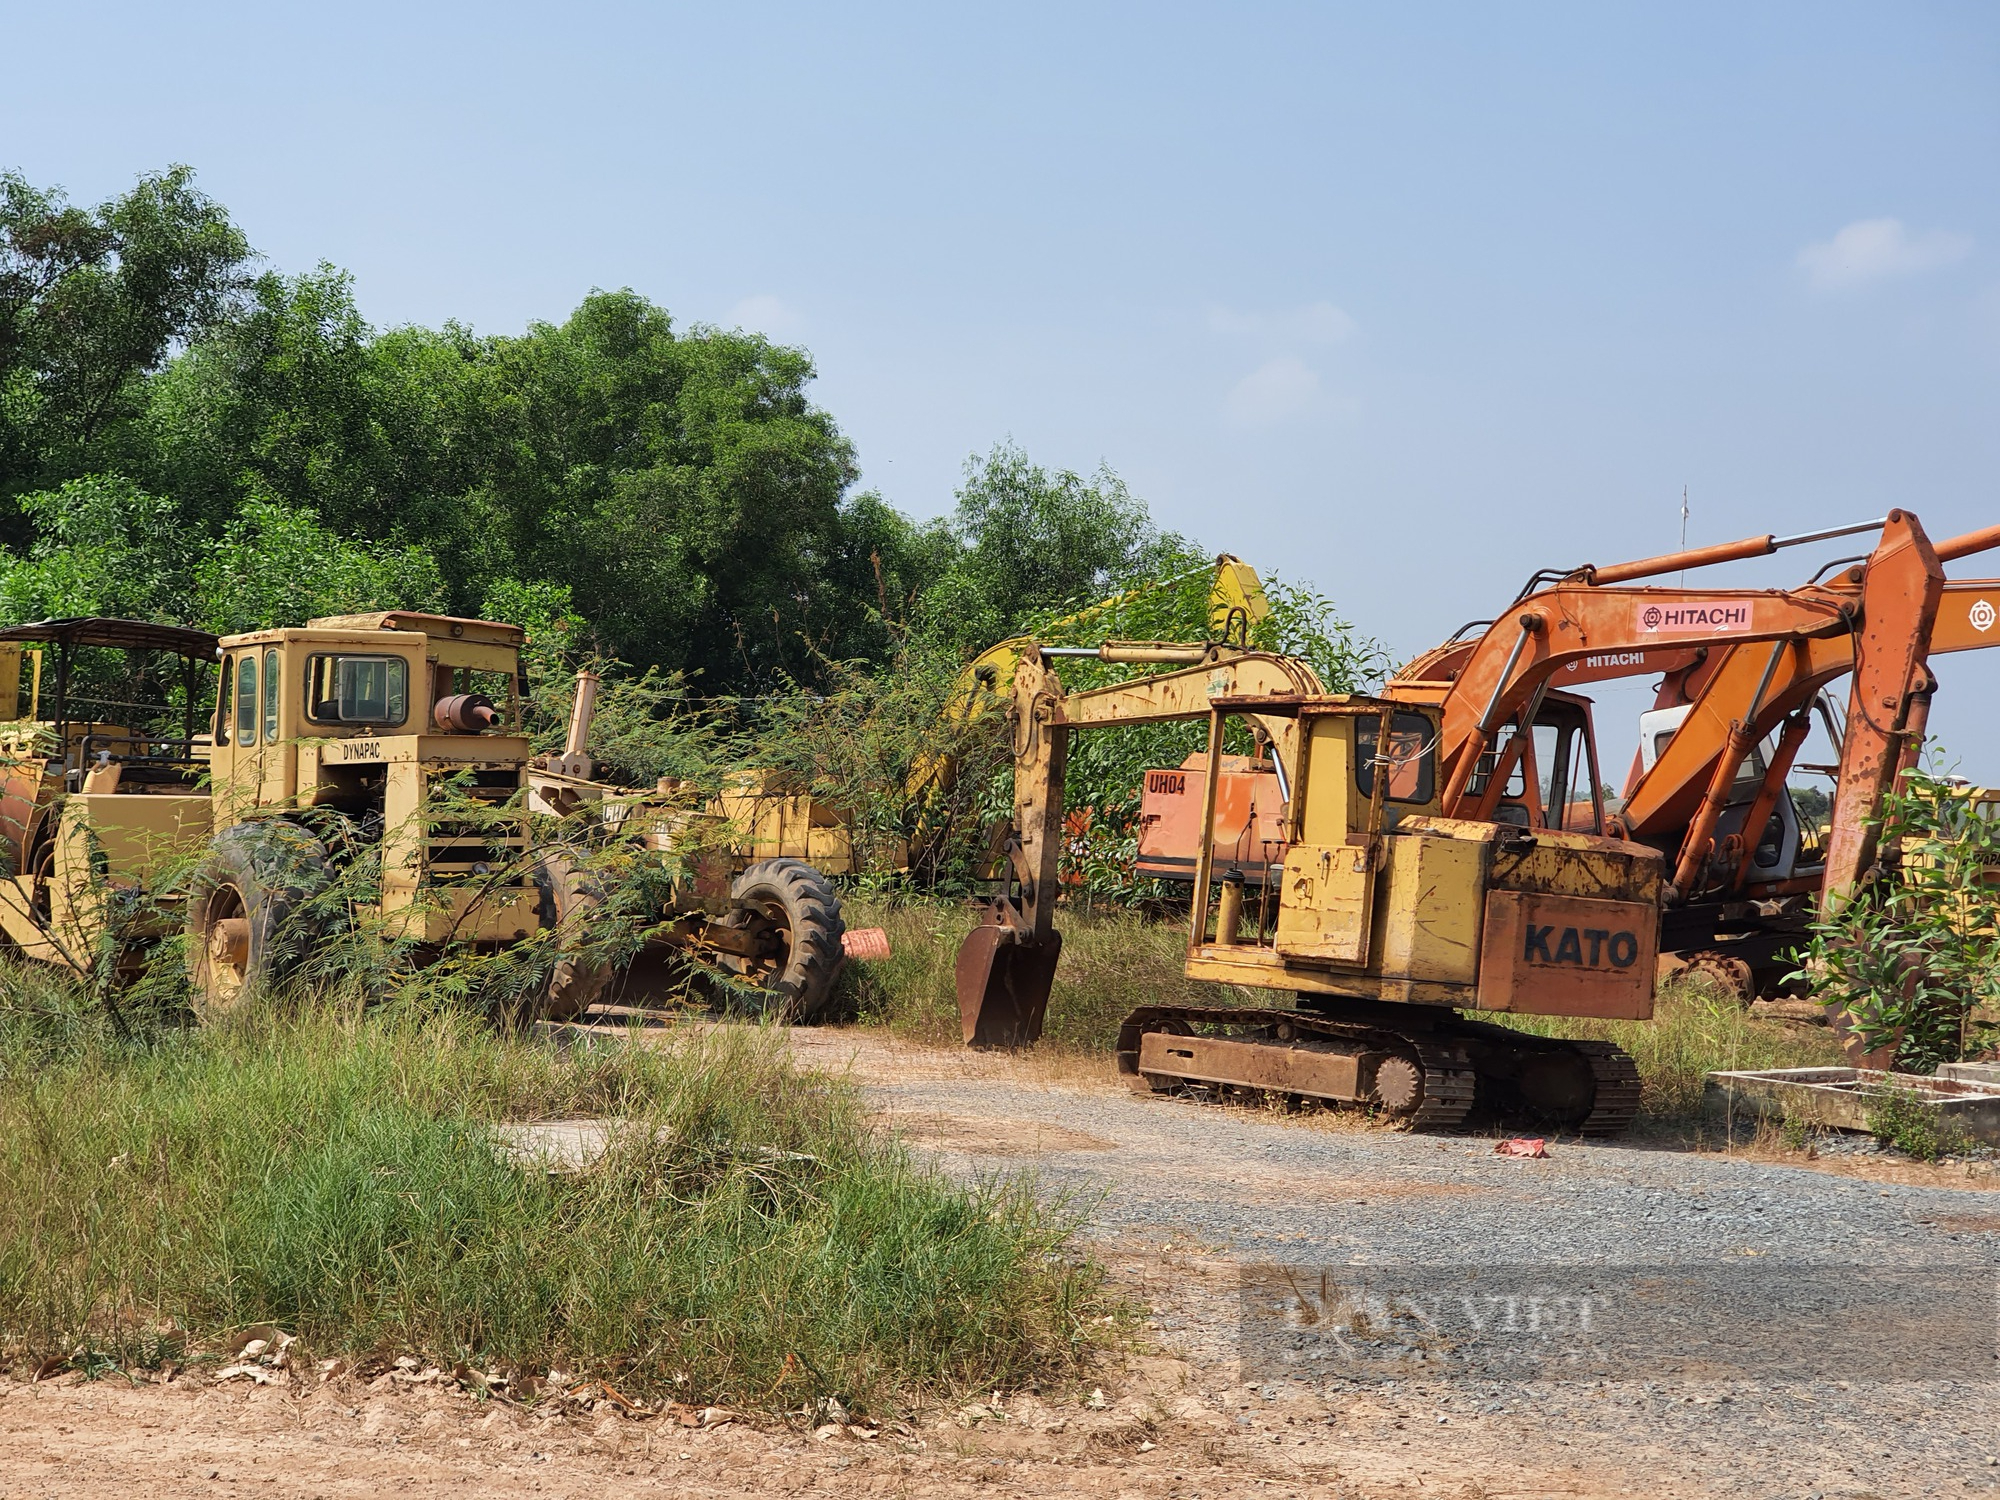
(1178, 1200)
(1153, 1439)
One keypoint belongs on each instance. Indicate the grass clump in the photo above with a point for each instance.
(1899, 1117)
(748, 1241)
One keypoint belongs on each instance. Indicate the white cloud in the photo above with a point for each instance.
(1870, 249)
(763, 314)
(1314, 323)
(1272, 392)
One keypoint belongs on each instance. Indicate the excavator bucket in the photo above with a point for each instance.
(1003, 985)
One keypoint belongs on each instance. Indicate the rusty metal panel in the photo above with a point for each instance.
(1252, 1065)
(1332, 807)
(1578, 864)
(25, 789)
(1325, 903)
(1549, 955)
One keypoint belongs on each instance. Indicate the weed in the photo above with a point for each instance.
(748, 1243)
(1898, 1117)
(1912, 955)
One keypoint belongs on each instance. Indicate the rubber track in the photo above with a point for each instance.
(1449, 1084)
(1617, 1098)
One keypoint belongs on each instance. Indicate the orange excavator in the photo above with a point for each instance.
(1435, 860)
(1730, 715)
(1738, 667)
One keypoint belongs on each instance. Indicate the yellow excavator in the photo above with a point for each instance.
(1388, 920)
(1402, 896)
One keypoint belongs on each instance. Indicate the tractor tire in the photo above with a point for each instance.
(250, 921)
(796, 913)
(569, 897)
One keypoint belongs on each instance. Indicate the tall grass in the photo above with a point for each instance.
(748, 1240)
(1115, 960)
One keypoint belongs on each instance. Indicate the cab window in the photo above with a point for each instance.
(1410, 757)
(246, 698)
(1517, 776)
(358, 690)
(270, 697)
(1749, 776)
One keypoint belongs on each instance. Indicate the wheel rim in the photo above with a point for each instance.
(766, 921)
(222, 965)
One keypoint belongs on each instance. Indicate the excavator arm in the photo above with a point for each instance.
(1575, 621)
(1758, 658)
(1006, 967)
(1743, 685)
(1236, 606)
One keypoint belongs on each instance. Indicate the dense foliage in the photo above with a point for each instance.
(188, 436)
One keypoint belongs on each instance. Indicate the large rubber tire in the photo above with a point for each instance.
(250, 921)
(569, 898)
(796, 912)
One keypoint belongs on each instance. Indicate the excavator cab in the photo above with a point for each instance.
(1549, 774)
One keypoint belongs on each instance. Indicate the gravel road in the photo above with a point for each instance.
(1188, 1200)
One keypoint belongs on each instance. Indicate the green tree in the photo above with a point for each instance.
(1032, 541)
(298, 397)
(103, 546)
(106, 547)
(90, 301)
(278, 565)
(681, 486)
(1813, 804)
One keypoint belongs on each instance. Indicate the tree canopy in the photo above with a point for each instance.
(91, 302)
(186, 435)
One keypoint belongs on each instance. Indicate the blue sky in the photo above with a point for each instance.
(1405, 301)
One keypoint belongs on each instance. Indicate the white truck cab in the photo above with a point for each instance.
(1783, 851)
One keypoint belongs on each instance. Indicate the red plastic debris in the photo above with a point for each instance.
(1530, 1146)
(865, 943)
